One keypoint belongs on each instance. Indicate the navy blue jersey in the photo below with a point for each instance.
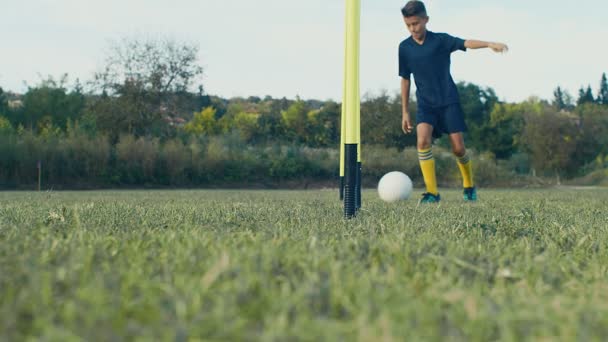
(430, 64)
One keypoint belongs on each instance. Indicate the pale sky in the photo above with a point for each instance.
(289, 48)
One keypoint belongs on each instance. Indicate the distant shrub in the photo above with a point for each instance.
(79, 160)
(137, 158)
(176, 159)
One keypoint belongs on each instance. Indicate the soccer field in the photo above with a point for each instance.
(284, 265)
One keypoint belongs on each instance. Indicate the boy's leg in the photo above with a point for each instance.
(424, 133)
(453, 119)
(463, 160)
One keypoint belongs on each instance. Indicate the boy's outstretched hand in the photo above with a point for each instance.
(480, 44)
(498, 47)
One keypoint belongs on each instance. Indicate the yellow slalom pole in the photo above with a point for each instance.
(351, 106)
(352, 71)
(343, 116)
(358, 123)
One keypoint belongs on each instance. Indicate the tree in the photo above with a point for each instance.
(51, 102)
(381, 121)
(145, 80)
(558, 98)
(247, 124)
(5, 126)
(585, 96)
(501, 134)
(325, 125)
(477, 104)
(593, 133)
(602, 96)
(3, 102)
(294, 121)
(550, 138)
(562, 99)
(203, 122)
(269, 121)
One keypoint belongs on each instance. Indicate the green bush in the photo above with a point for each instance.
(78, 160)
(137, 159)
(176, 158)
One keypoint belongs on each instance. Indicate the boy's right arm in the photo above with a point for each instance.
(406, 122)
(480, 44)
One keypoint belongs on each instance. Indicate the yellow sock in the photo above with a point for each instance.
(466, 169)
(427, 165)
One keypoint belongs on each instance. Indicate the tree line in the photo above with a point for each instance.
(142, 104)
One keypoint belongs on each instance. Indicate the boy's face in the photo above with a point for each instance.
(416, 25)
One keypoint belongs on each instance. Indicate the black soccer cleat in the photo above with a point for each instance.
(428, 197)
(470, 194)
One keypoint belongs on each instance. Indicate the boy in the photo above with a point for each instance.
(427, 55)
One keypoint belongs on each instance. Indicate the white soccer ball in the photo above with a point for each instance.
(395, 186)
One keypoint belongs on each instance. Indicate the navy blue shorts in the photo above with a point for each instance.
(445, 120)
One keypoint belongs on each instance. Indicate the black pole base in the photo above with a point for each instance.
(350, 181)
(358, 194)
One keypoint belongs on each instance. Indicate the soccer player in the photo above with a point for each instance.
(426, 55)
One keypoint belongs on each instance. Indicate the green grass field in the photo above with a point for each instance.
(262, 265)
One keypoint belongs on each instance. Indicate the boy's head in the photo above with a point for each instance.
(415, 17)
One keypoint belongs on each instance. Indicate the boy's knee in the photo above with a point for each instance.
(459, 151)
(424, 144)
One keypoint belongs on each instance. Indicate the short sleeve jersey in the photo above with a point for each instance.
(430, 64)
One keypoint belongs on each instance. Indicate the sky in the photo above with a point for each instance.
(295, 48)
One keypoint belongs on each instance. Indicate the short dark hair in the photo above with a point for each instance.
(414, 8)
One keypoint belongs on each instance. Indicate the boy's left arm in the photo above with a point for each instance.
(479, 44)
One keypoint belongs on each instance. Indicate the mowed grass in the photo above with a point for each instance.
(284, 265)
